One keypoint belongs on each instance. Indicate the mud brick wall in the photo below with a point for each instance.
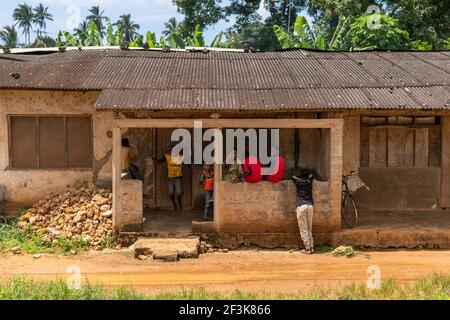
(131, 206)
(268, 208)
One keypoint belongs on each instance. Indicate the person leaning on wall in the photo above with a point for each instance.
(233, 170)
(130, 155)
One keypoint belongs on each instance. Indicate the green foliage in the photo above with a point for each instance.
(198, 39)
(346, 251)
(29, 242)
(433, 287)
(11, 235)
(446, 44)
(107, 242)
(217, 41)
(378, 31)
(93, 37)
(201, 13)
(113, 38)
(24, 17)
(324, 248)
(427, 20)
(304, 36)
(43, 42)
(9, 37)
(74, 245)
(420, 45)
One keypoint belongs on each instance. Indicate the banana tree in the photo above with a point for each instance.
(65, 38)
(304, 36)
(217, 41)
(113, 38)
(197, 39)
(91, 37)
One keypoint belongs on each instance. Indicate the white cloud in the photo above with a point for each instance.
(262, 11)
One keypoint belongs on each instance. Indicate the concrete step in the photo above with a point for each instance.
(167, 249)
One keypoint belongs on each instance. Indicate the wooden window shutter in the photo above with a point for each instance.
(23, 142)
(79, 142)
(51, 142)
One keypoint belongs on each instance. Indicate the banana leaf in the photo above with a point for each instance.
(71, 40)
(198, 39)
(176, 41)
(284, 39)
(118, 36)
(138, 42)
(110, 38)
(217, 41)
(151, 40)
(94, 37)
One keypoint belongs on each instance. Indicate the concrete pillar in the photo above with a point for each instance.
(218, 146)
(116, 172)
(336, 175)
(351, 144)
(445, 162)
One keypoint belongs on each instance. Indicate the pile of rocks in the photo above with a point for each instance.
(83, 211)
(206, 247)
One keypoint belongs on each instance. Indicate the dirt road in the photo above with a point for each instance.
(279, 271)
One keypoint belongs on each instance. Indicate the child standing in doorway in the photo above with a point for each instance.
(207, 181)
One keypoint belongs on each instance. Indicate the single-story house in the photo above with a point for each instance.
(384, 114)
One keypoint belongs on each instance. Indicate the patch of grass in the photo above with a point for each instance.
(346, 251)
(434, 287)
(108, 242)
(324, 248)
(30, 242)
(23, 209)
(74, 245)
(11, 235)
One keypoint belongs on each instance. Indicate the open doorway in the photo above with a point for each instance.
(163, 217)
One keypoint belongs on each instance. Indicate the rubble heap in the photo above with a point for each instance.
(83, 211)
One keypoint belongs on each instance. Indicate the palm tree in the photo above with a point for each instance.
(97, 16)
(41, 15)
(23, 15)
(171, 27)
(129, 27)
(9, 37)
(83, 26)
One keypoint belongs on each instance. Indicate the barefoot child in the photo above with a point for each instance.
(207, 181)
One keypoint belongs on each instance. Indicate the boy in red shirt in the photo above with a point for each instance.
(277, 173)
(252, 169)
(207, 181)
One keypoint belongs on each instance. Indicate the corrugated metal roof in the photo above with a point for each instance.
(295, 79)
(275, 99)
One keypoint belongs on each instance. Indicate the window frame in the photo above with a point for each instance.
(37, 116)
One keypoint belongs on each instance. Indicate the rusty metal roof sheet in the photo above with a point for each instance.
(288, 80)
(274, 99)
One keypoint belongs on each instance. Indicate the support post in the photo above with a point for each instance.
(218, 150)
(336, 138)
(444, 201)
(116, 172)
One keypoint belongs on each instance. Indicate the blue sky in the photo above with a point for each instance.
(149, 14)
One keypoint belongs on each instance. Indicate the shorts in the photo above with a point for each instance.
(175, 186)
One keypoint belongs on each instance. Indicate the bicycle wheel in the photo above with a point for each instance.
(349, 210)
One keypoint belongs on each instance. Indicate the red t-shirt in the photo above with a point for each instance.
(277, 174)
(253, 165)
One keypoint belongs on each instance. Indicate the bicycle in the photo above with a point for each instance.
(349, 209)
